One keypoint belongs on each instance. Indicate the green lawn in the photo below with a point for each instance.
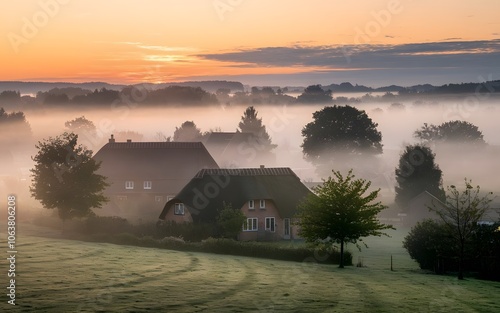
(55, 275)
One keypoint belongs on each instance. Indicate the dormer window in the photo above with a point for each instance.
(148, 184)
(262, 204)
(251, 205)
(179, 209)
(129, 184)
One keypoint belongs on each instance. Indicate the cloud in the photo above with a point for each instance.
(449, 54)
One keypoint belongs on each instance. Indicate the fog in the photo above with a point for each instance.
(284, 125)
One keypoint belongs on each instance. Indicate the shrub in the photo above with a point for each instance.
(428, 244)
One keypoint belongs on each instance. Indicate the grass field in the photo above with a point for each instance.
(55, 275)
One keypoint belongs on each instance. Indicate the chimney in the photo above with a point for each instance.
(262, 166)
(112, 139)
(129, 140)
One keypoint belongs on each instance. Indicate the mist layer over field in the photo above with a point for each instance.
(284, 124)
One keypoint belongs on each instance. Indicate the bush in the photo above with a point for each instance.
(429, 245)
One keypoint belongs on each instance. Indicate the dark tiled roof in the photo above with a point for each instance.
(273, 171)
(155, 145)
(207, 191)
(170, 164)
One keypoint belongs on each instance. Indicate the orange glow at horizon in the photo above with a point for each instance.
(160, 41)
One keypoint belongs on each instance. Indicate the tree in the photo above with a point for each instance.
(64, 177)
(417, 172)
(427, 243)
(187, 132)
(461, 214)
(340, 212)
(338, 131)
(250, 123)
(453, 132)
(315, 94)
(229, 221)
(81, 126)
(14, 123)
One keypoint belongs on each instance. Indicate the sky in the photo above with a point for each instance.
(257, 42)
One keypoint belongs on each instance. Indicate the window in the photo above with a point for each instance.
(262, 204)
(129, 184)
(270, 224)
(179, 209)
(148, 184)
(158, 198)
(121, 198)
(251, 205)
(251, 224)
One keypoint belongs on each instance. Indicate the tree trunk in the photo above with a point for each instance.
(341, 264)
(461, 262)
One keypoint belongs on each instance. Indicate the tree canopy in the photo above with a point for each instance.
(340, 130)
(461, 214)
(64, 177)
(417, 172)
(14, 123)
(187, 132)
(340, 212)
(229, 221)
(315, 94)
(453, 132)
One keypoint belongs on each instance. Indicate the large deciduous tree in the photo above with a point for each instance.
(64, 177)
(417, 172)
(461, 214)
(315, 94)
(453, 132)
(340, 132)
(187, 132)
(340, 212)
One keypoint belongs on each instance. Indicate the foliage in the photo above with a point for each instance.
(454, 132)
(64, 177)
(125, 135)
(14, 123)
(427, 243)
(81, 126)
(340, 212)
(430, 244)
(187, 132)
(180, 95)
(461, 214)
(417, 172)
(340, 131)
(315, 94)
(229, 221)
(250, 123)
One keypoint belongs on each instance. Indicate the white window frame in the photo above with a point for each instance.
(129, 184)
(251, 204)
(121, 198)
(148, 184)
(262, 203)
(253, 222)
(272, 227)
(179, 209)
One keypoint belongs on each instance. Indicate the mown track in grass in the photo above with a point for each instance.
(56, 275)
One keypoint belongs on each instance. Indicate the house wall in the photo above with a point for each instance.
(261, 234)
(171, 217)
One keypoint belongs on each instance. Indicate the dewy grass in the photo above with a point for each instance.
(58, 275)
